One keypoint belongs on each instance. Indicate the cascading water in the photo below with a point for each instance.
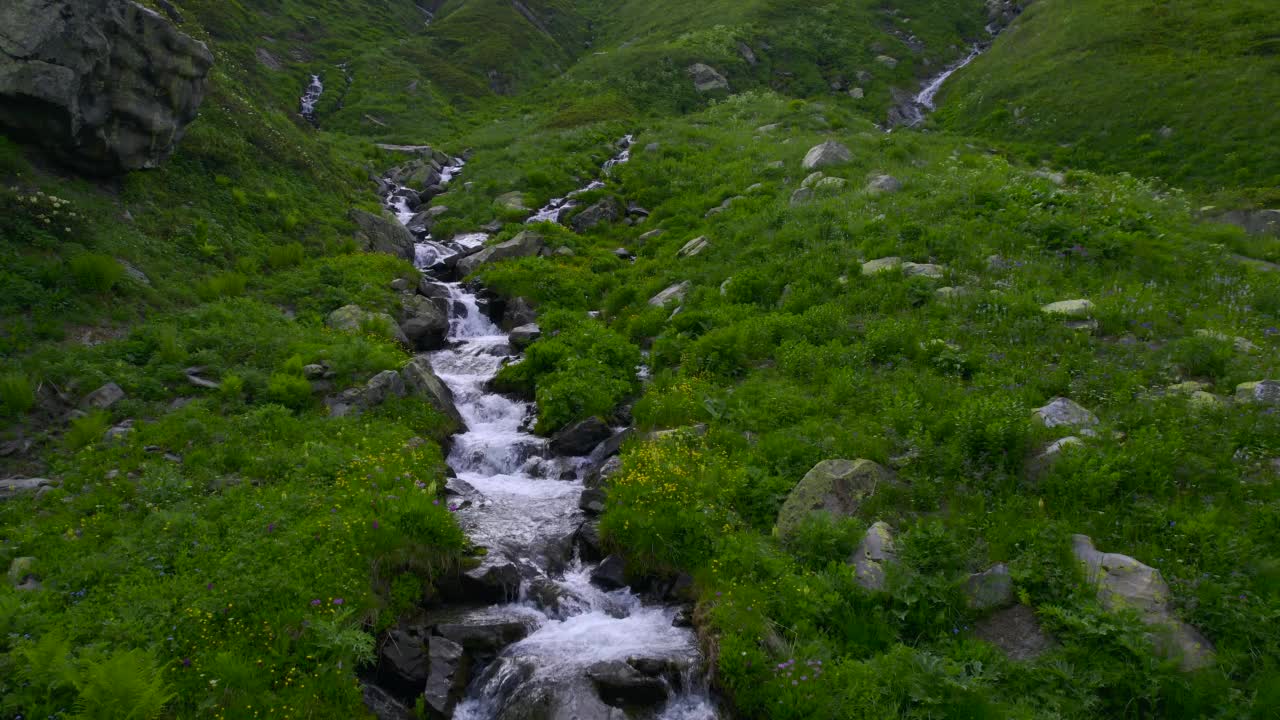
(310, 97)
(522, 506)
(554, 210)
(924, 99)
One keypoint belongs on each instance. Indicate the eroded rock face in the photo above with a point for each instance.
(107, 85)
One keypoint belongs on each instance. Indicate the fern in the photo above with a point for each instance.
(126, 686)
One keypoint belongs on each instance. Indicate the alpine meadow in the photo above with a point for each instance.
(639, 359)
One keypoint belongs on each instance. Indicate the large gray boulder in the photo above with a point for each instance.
(835, 487)
(107, 85)
(421, 380)
(707, 78)
(1123, 583)
(607, 210)
(382, 233)
(621, 685)
(447, 675)
(526, 244)
(1062, 412)
(827, 154)
(1266, 392)
(675, 292)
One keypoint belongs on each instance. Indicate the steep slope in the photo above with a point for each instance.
(1185, 91)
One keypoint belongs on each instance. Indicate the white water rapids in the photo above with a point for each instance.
(311, 97)
(523, 508)
(554, 210)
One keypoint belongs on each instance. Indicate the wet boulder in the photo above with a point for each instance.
(836, 487)
(382, 705)
(587, 542)
(621, 685)
(383, 234)
(553, 598)
(424, 325)
(592, 501)
(448, 672)
(495, 580)
(580, 438)
(610, 574)
(827, 154)
(421, 380)
(517, 312)
(107, 86)
(485, 636)
(524, 336)
(403, 655)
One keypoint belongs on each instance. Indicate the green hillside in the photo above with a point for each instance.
(1184, 91)
(219, 542)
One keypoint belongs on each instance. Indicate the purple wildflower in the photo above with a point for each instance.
(337, 601)
(271, 527)
(186, 662)
(209, 586)
(315, 603)
(375, 524)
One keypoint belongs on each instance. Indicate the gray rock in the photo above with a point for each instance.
(1266, 392)
(875, 267)
(694, 246)
(1062, 412)
(887, 61)
(857, 93)
(14, 487)
(382, 705)
(592, 501)
(646, 237)
(606, 210)
(827, 154)
(883, 184)
(599, 475)
(676, 292)
(524, 336)
(1123, 583)
(990, 589)
(830, 184)
(404, 653)
(1254, 222)
(382, 233)
(580, 438)
(587, 541)
(610, 574)
(495, 580)
(525, 244)
(518, 312)
(836, 487)
(354, 319)
(1017, 632)
(950, 293)
(745, 51)
(103, 398)
(447, 675)
(707, 78)
(1077, 309)
(106, 85)
(513, 202)
(21, 569)
(421, 380)
(801, 196)
(873, 555)
(380, 388)
(314, 372)
(553, 599)
(621, 685)
(934, 272)
(485, 635)
(423, 323)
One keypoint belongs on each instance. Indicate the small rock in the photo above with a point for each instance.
(881, 184)
(382, 705)
(314, 372)
(400, 284)
(707, 78)
(485, 636)
(592, 501)
(524, 336)
(580, 438)
(1017, 632)
(801, 196)
(874, 554)
(104, 397)
(934, 272)
(676, 292)
(830, 184)
(694, 246)
(1062, 412)
(990, 589)
(875, 267)
(512, 202)
(1079, 309)
(827, 154)
(812, 179)
(887, 61)
(950, 293)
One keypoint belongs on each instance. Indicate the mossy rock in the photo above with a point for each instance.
(838, 487)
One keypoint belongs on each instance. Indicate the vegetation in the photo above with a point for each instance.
(219, 546)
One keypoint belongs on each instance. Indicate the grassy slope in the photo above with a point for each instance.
(1091, 84)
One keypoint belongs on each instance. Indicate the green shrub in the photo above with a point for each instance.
(1200, 356)
(282, 257)
(127, 684)
(96, 273)
(87, 430)
(221, 286)
(16, 394)
(289, 390)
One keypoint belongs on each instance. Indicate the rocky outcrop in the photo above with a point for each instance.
(675, 292)
(1123, 583)
(423, 323)
(382, 233)
(421, 380)
(607, 210)
(107, 85)
(835, 487)
(1062, 412)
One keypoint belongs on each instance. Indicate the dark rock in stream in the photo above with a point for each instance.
(587, 541)
(493, 581)
(403, 656)
(382, 706)
(611, 574)
(486, 636)
(610, 447)
(558, 702)
(516, 313)
(592, 501)
(447, 679)
(580, 438)
(621, 685)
